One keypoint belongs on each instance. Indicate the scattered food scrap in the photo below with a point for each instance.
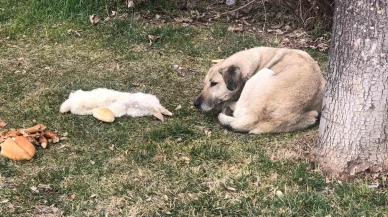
(18, 144)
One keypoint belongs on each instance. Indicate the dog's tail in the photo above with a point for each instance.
(65, 107)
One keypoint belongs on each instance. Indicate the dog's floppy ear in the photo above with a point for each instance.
(231, 75)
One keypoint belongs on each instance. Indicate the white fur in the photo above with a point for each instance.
(120, 103)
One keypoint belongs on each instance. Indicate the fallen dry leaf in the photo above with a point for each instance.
(62, 146)
(246, 23)
(44, 186)
(152, 38)
(73, 33)
(277, 31)
(376, 185)
(285, 40)
(186, 159)
(217, 16)
(2, 123)
(207, 132)
(181, 72)
(288, 28)
(113, 66)
(138, 84)
(93, 196)
(178, 107)
(130, 4)
(195, 13)
(34, 189)
(230, 2)
(140, 172)
(183, 20)
(279, 193)
(106, 19)
(136, 16)
(273, 177)
(48, 210)
(238, 28)
(230, 188)
(94, 19)
(322, 47)
(4, 201)
(20, 61)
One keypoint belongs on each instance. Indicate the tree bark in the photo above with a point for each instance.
(353, 129)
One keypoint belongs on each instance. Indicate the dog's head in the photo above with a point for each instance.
(222, 82)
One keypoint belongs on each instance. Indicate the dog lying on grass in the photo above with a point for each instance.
(120, 103)
(269, 90)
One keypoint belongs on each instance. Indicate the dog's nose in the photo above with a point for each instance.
(197, 102)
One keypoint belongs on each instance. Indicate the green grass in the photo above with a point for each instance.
(136, 166)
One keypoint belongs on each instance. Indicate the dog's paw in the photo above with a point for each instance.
(225, 119)
(311, 118)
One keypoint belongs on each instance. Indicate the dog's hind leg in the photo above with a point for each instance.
(241, 124)
(306, 120)
(302, 122)
(267, 127)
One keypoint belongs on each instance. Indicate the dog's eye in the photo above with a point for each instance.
(212, 84)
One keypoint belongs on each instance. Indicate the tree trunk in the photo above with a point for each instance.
(354, 123)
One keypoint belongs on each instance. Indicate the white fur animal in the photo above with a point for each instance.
(120, 103)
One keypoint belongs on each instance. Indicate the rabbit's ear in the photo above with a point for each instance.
(165, 111)
(157, 114)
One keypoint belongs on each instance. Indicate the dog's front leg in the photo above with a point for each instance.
(225, 120)
(241, 124)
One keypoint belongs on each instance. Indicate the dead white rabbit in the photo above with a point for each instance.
(119, 103)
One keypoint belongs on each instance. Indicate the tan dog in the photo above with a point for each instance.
(269, 90)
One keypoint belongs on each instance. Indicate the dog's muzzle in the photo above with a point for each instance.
(198, 102)
(201, 104)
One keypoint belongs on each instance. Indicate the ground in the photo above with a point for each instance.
(188, 165)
